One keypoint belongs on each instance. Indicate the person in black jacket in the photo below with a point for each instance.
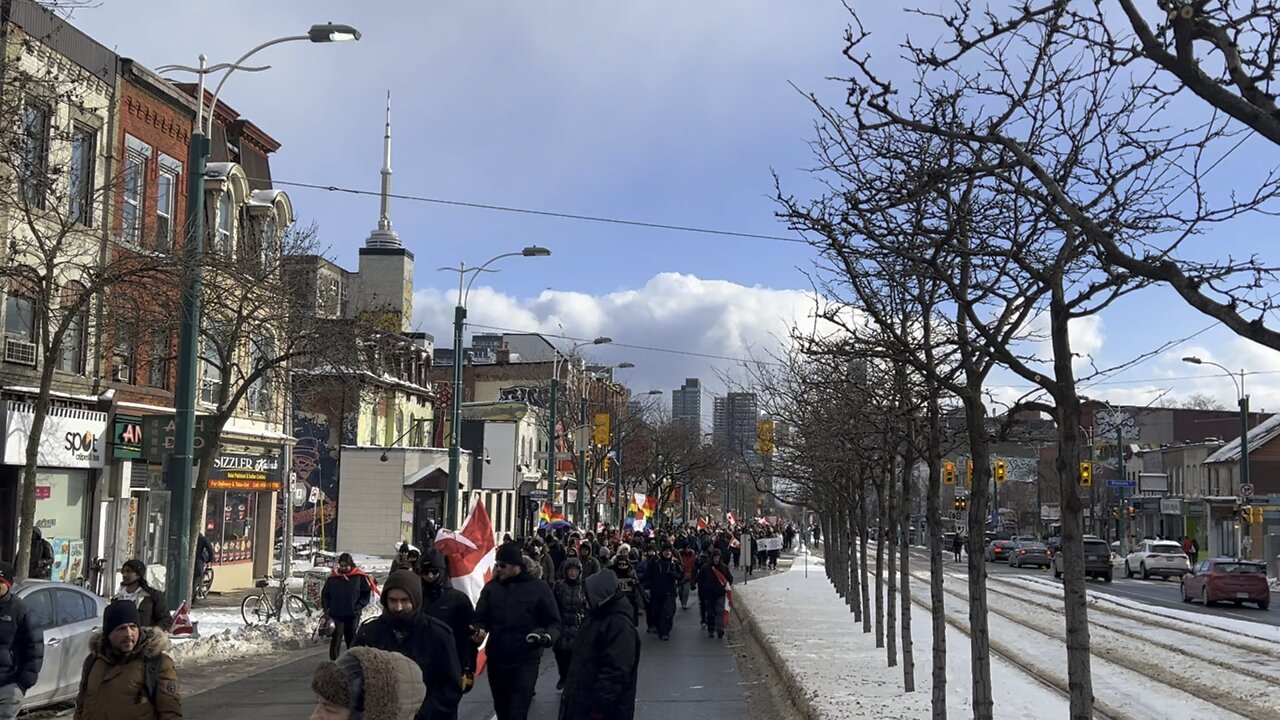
(41, 557)
(571, 600)
(404, 629)
(21, 649)
(627, 582)
(150, 602)
(660, 583)
(713, 583)
(451, 607)
(518, 616)
(345, 595)
(606, 657)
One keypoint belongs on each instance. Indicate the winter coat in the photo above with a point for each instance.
(571, 601)
(508, 611)
(429, 644)
(688, 565)
(605, 666)
(115, 686)
(532, 567)
(453, 608)
(590, 565)
(21, 644)
(41, 567)
(548, 568)
(346, 596)
(709, 587)
(151, 606)
(662, 577)
(629, 586)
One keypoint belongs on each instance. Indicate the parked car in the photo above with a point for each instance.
(1097, 559)
(999, 550)
(1029, 552)
(1053, 545)
(68, 615)
(1164, 558)
(1237, 581)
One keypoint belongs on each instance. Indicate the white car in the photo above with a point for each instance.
(1157, 557)
(68, 615)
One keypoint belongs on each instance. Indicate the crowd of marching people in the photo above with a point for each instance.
(581, 595)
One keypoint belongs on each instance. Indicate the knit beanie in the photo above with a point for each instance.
(382, 685)
(409, 582)
(510, 554)
(120, 612)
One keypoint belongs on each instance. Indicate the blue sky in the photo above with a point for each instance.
(661, 111)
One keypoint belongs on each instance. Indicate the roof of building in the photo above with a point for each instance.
(1258, 436)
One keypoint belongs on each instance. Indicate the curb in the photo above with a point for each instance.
(795, 690)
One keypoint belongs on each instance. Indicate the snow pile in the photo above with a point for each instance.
(836, 670)
(224, 636)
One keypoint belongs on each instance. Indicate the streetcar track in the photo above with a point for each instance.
(1192, 687)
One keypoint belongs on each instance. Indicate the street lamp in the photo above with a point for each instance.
(181, 469)
(1243, 400)
(455, 401)
(556, 364)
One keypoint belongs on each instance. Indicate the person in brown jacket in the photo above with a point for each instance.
(129, 674)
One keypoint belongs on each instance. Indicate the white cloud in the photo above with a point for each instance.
(672, 311)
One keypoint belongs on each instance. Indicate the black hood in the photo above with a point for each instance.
(410, 583)
(602, 588)
(433, 559)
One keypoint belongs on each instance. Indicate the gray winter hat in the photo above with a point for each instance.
(381, 685)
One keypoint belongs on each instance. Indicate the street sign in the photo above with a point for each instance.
(538, 495)
(1122, 483)
(559, 456)
(1246, 490)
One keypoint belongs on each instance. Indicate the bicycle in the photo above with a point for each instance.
(279, 605)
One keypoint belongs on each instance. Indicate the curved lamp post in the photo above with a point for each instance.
(455, 402)
(1243, 401)
(181, 468)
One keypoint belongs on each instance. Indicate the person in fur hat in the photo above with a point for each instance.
(367, 684)
(129, 674)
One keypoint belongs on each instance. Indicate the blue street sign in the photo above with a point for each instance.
(1122, 483)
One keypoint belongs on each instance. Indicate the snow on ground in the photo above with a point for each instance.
(842, 675)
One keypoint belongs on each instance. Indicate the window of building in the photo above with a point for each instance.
(158, 353)
(166, 185)
(135, 173)
(224, 225)
(71, 355)
(270, 242)
(259, 396)
(34, 161)
(229, 525)
(210, 372)
(20, 314)
(83, 144)
(124, 354)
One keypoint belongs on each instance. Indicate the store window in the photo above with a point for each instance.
(60, 508)
(229, 525)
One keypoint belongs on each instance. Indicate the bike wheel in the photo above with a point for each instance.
(295, 607)
(255, 609)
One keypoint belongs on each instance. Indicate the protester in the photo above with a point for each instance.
(571, 601)
(518, 616)
(204, 556)
(368, 684)
(713, 585)
(606, 657)
(345, 595)
(41, 567)
(128, 674)
(21, 648)
(150, 602)
(403, 628)
(688, 576)
(451, 607)
(661, 579)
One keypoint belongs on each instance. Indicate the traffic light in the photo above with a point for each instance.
(962, 504)
(1133, 512)
(764, 437)
(1001, 470)
(1251, 515)
(948, 473)
(607, 462)
(601, 428)
(968, 478)
(1086, 474)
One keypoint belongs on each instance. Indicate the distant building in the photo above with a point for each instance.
(734, 418)
(686, 404)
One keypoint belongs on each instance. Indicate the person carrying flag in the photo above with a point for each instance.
(346, 593)
(714, 586)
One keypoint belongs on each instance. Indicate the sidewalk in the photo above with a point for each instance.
(834, 671)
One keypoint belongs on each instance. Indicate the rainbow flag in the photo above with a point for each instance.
(640, 510)
(548, 514)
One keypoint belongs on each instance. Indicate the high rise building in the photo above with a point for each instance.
(686, 404)
(734, 418)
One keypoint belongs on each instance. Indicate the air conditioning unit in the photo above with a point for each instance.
(19, 351)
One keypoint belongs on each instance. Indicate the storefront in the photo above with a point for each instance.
(240, 513)
(72, 452)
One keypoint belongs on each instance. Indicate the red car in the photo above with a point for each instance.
(1237, 581)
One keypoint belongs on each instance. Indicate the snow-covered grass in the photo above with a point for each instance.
(839, 672)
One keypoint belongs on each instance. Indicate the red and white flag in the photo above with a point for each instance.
(731, 517)
(470, 555)
(728, 595)
(182, 622)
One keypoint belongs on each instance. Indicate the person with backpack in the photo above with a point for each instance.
(345, 595)
(150, 602)
(21, 648)
(128, 674)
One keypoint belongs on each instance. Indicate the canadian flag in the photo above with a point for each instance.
(182, 622)
(469, 555)
(731, 517)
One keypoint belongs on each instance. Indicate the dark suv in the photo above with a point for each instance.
(1097, 559)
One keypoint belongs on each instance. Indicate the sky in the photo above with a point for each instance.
(658, 111)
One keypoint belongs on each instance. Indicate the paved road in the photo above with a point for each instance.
(1162, 593)
(688, 678)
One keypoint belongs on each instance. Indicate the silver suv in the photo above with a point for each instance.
(1097, 559)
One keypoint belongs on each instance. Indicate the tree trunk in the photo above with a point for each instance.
(933, 515)
(27, 511)
(904, 584)
(856, 589)
(889, 534)
(862, 559)
(880, 514)
(979, 635)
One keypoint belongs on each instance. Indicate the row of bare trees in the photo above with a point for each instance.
(1035, 166)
